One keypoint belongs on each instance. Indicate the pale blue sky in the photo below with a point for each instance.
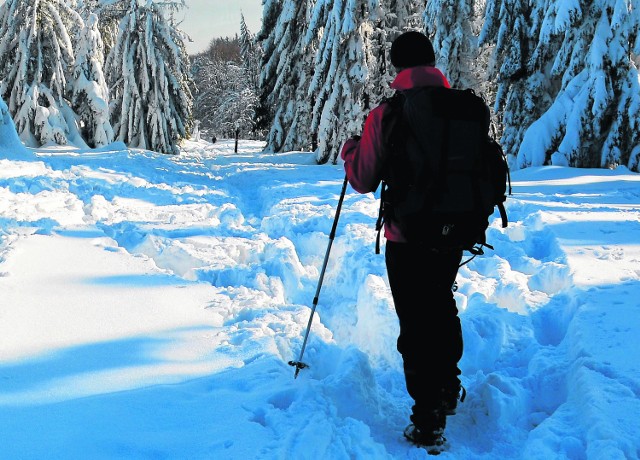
(208, 19)
(205, 20)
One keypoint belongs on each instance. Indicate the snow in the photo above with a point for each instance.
(150, 303)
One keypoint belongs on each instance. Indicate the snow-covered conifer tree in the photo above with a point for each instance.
(450, 25)
(250, 54)
(594, 115)
(10, 143)
(110, 13)
(344, 57)
(148, 73)
(322, 86)
(519, 100)
(390, 18)
(266, 80)
(352, 70)
(284, 75)
(86, 7)
(36, 53)
(89, 93)
(568, 80)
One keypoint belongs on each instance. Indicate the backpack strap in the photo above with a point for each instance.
(395, 103)
(501, 208)
(503, 214)
(443, 164)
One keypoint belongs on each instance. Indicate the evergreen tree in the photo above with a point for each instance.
(345, 31)
(284, 75)
(321, 84)
(89, 93)
(568, 83)
(36, 53)
(149, 80)
(267, 78)
(87, 7)
(450, 24)
(390, 19)
(110, 13)
(520, 92)
(250, 56)
(600, 127)
(351, 67)
(10, 143)
(593, 117)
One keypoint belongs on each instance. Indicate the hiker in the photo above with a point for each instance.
(420, 278)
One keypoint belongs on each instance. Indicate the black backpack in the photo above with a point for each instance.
(444, 174)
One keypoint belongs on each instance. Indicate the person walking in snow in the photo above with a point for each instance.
(420, 278)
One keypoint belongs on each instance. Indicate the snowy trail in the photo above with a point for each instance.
(169, 295)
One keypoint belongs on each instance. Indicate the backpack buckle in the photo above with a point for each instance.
(447, 228)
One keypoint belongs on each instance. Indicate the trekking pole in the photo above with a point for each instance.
(299, 364)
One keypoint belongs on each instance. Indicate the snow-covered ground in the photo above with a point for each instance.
(149, 305)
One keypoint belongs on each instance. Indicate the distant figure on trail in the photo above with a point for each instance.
(420, 277)
(214, 139)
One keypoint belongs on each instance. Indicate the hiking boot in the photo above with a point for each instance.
(432, 441)
(450, 399)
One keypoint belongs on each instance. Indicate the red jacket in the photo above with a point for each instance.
(364, 157)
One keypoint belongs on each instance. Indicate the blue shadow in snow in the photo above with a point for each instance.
(31, 373)
(138, 280)
(44, 225)
(84, 233)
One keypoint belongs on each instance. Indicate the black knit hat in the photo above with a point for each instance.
(412, 49)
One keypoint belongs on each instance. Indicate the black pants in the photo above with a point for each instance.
(430, 339)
